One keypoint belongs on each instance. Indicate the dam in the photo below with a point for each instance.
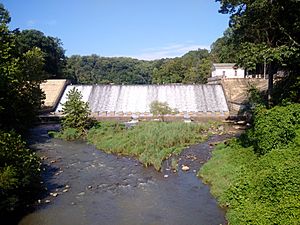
(126, 100)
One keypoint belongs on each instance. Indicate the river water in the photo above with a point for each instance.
(87, 186)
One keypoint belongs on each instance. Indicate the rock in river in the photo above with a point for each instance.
(185, 168)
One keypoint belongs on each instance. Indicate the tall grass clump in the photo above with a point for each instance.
(258, 176)
(150, 142)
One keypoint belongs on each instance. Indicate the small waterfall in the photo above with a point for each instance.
(137, 98)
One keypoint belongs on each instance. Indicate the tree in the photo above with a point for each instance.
(103, 70)
(54, 54)
(20, 99)
(76, 112)
(172, 71)
(223, 50)
(193, 67)
(20, 76)
(198, 66)
(267, 32)
(160, 109)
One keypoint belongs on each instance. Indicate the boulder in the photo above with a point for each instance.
(185, 168)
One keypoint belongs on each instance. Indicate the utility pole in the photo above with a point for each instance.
(265, 68)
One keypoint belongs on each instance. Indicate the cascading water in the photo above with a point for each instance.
(84, 89)
(137, 98)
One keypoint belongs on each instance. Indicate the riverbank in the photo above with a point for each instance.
(256, 190)
(257, 177)
(87, 186)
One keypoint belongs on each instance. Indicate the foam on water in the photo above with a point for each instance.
(137, 98)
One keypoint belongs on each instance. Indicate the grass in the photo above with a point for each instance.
(224, 168)
(256, 189)
(68, 134)
(149, 142)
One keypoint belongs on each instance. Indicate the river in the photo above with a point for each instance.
(86, 186)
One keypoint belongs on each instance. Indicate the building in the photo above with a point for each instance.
(227, 70)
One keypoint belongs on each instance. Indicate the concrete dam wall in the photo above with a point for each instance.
(105, 100)
(236, 90)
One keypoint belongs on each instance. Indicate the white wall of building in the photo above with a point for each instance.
(227, 70)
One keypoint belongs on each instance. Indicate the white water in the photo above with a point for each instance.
(137, 98)
(84, 89)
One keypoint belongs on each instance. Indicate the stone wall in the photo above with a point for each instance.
(53, 90)
(236, 90)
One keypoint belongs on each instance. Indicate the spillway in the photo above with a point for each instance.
(127, 99)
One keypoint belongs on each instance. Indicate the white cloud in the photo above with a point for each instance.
(168, 51)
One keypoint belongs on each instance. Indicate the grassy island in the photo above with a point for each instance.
(149, 142)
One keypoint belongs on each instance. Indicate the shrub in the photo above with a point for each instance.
(269, 191)
(273, 128)
(256, 97)
(19, 172)
(160, 109)
(257, 190)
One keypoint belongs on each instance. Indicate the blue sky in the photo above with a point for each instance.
(144, 29)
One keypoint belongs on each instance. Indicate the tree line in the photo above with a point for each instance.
(193, 67)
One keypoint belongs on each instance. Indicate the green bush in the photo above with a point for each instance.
(265, 188)
(256, 190)
(273, 128)
(269, 191)
(19, 172)
(256, 97)
(161, 109)
(150, 142)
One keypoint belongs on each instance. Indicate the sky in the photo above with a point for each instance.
(143, 29)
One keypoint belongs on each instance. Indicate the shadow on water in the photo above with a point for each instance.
(86, 186)
(36, 137)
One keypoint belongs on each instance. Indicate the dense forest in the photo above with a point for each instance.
(193, 67)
